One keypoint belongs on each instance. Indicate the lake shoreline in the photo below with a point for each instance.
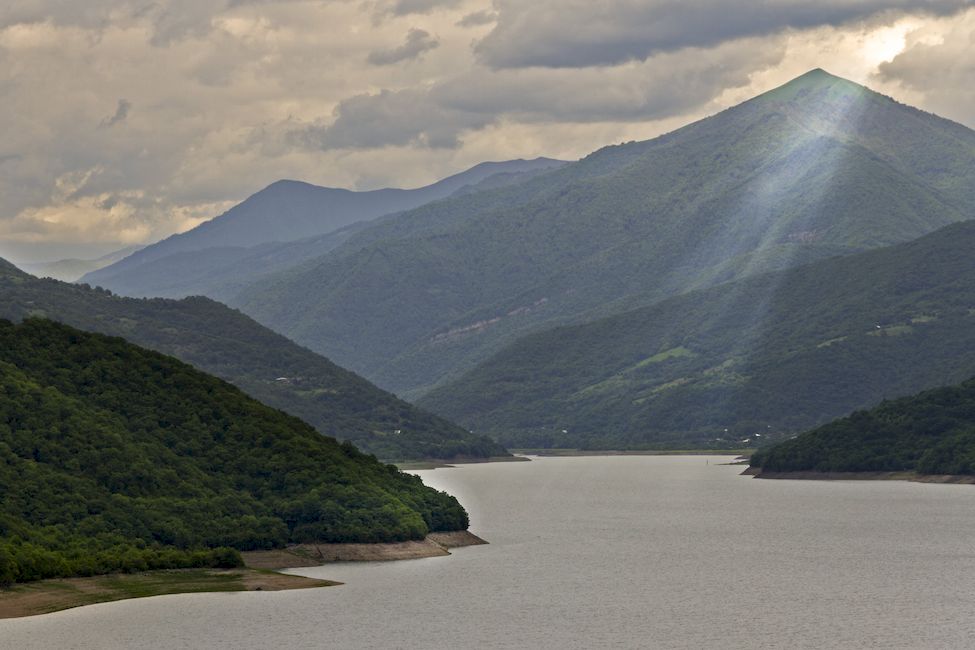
(433, 463)
(569, 452)
(306, 555)
(58, 594)
(947, 479)
(522, 455)
(261, 573)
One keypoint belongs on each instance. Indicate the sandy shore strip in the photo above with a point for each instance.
(304, 555)
(568, 452)
(46, 596)
(960, 479)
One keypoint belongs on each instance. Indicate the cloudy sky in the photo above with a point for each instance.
(123, 121)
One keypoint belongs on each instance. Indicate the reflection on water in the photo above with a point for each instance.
(631, 552)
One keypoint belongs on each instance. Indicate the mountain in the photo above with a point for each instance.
(222, 272)
(929, 433)
(114, 458)
(267, 366)
(70, 270)
(817, 168)
(738, 363)
(284, 211)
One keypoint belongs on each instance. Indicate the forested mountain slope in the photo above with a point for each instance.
(113, 457)
(764, 356)
(269, 367)
(929, 433)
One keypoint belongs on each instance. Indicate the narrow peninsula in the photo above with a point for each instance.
(927, 437)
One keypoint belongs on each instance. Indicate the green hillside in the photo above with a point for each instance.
(765, 356)
(930, 433)
(816, 168)
(267, 366)
(113, 457)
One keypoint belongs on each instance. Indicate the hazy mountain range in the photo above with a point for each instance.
(453, 299)
(71, 270)
(243, 239)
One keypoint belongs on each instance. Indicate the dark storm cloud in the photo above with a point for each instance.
(406, 7)
(662, 87)
(579, 33)
(437, 116)
(478, 18)
(406, 117)
(417, 42)
(121, 112)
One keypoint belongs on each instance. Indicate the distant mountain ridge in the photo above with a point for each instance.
(816, 168)
(287, 211)
(228, 344)
(70, 270)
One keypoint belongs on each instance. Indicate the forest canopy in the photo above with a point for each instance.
(113, 457)
(929, 433)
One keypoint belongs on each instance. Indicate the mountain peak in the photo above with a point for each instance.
(819, 79)
(817, 74)
(818, 95)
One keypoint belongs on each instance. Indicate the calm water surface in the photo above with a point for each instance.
(617, 552)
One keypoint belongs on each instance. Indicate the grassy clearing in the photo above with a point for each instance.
(672, 353)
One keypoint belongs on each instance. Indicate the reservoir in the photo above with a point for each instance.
(614, 552)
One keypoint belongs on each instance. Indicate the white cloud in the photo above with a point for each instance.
(209, 100)
(937, 67)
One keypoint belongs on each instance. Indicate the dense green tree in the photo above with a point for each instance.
(929, 433)
(116, 458)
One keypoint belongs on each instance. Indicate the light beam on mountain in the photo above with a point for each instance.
(812, 156)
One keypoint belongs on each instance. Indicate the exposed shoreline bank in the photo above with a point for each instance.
(48, 596)
(305, 555)
(260, 574)
(632, 452)
(438, 464)
(522, 455)
(957, 479)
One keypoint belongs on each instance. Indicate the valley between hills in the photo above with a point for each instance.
(792, 275)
